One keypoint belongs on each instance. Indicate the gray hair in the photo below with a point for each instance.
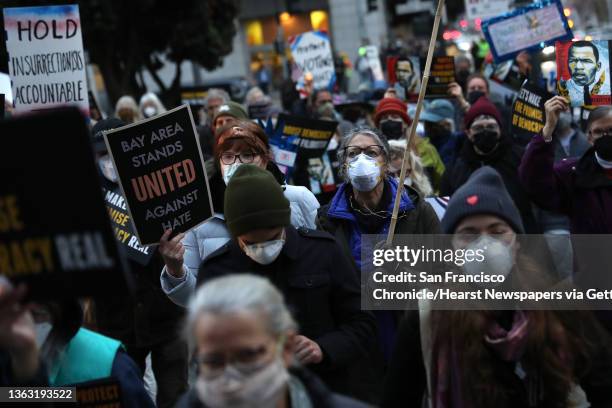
(375, 134)
(217, 93)
(237, 293)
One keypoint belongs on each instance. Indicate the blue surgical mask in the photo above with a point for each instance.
(229, 170)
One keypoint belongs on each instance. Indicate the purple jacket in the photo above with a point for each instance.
(577, 187)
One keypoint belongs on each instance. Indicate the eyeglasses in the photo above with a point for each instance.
(602, 132)
(373, 151)
(230, 158)
(481, 128)
(246, 361)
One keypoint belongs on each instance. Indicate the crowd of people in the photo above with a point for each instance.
(260, 306)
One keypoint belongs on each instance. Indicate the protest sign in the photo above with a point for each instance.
(527, 28)
(442, 74)
(312, 53)
(102, 393)
(46, 60)
(373, 59)
(528, 115)
(313, 135)
(506, 73)
(484, 9)
(405, 75)
(124, 228)
(161, 173)
(583, 72)
(55, 234)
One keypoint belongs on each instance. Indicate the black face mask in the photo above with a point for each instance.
(473, 96)
(603, 147)
(486, 141)
(392, 129)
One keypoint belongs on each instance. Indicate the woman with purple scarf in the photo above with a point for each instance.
(497, 358)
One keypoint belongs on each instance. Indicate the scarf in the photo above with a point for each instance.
(508, 344)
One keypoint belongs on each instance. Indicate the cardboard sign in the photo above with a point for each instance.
(527, 28)
(46, 63)
(528, 114)
(442, 74)
(484, 9)
(312, 53)
(55, 234)
(405, 76)
(583, 72)
(161, 173)
(124, 228)
(103, 393)
(313, 135)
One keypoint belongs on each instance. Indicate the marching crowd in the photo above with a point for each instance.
(260, 306)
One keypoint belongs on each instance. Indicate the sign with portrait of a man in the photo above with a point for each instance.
(583, 70)
(405, 75)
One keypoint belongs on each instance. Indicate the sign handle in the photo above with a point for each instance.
(417, 114)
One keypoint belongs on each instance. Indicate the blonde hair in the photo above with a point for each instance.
(417, 172)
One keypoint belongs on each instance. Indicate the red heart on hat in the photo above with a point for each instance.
(472, 200)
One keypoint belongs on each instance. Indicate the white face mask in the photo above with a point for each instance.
(364, 173)
(229, 170)
(265, 253)
(108, 170)
(497, 257)
(233, 389)
(149, 111)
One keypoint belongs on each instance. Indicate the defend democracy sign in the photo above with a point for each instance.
(161, 173)
(46, 60)
(55, 234)
(526, 28)
(313, 135)
(312, 53)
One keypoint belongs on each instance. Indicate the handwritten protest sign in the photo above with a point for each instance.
(124, 229)
(46, 63)
(442, 74)
(583, 72)
(55, 234)
(528, 115)
(484, 9)
(405, 75)
(313, 135)
(161, 173)
(103, 393)
(312, 53)
(526, 28)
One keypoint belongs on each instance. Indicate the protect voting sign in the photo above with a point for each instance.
(312, 53)
(161, 173)
(527, 28)
(55, 234)
(46, 59)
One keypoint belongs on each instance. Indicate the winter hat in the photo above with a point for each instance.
(232, 109)
(482, 106)
(254, 200)
(98, 129)
(391, 106)
(483, 193)
(437, 110)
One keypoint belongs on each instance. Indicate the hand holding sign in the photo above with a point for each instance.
(173, 252)
(553, 107)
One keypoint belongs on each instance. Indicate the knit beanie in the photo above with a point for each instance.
(482, 106)
(254, 200)
(232, 109)
(483, 193)
(391, 106)
(98, 130)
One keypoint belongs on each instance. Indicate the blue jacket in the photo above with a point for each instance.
(340, 208)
